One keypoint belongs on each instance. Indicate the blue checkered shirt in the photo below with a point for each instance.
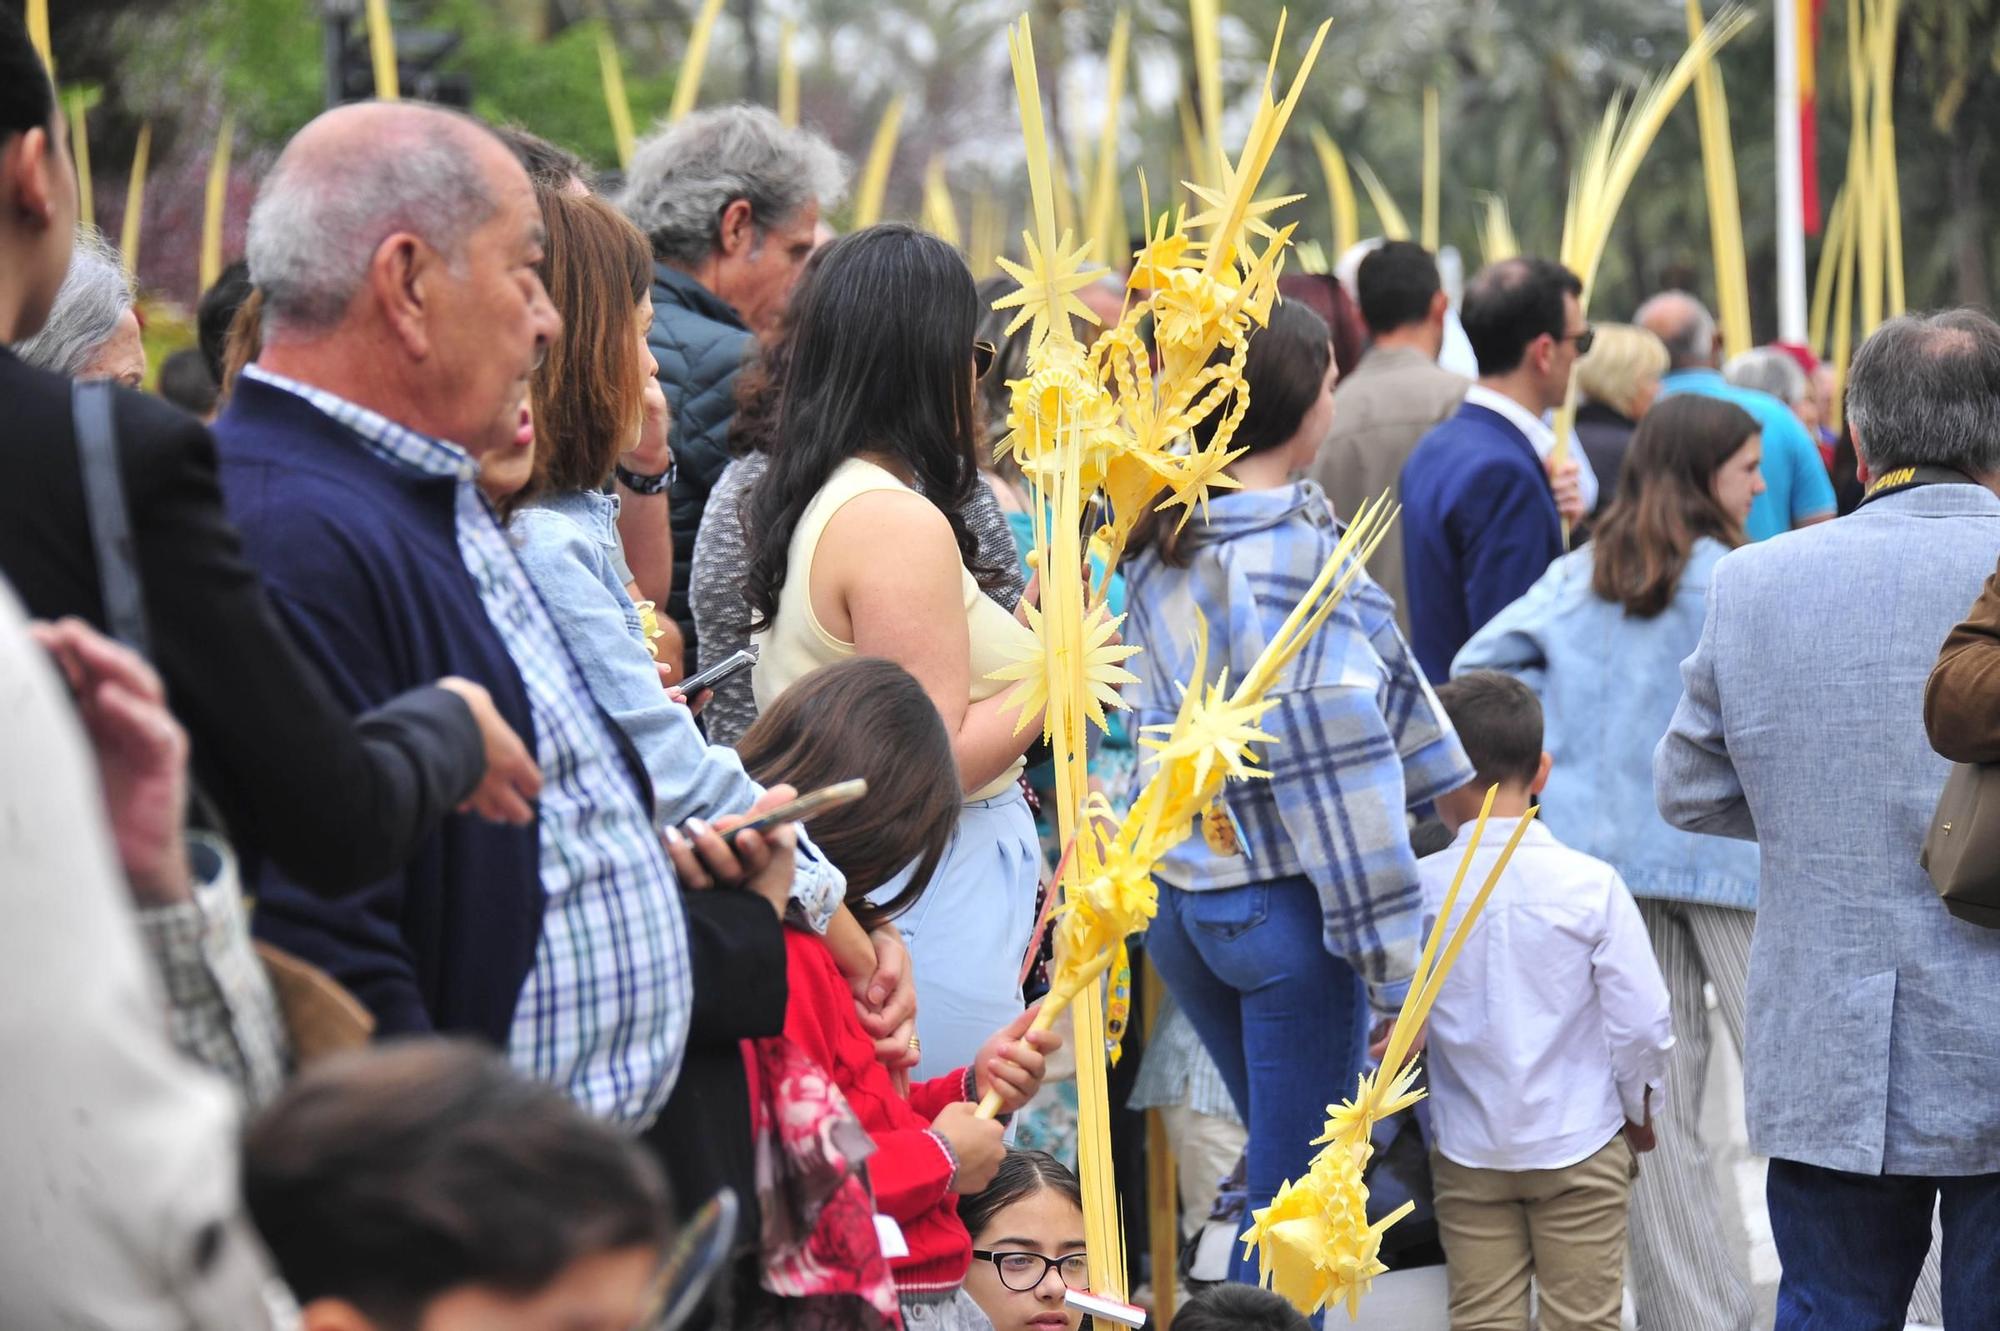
(604, 1011)
(1361, 736)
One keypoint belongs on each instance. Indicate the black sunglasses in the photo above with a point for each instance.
(1583, 340)
(1023, 1271)
(983, 353)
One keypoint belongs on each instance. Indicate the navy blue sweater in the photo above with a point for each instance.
(362, 562)
(1479, 527)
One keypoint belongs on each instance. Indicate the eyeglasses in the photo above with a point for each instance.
(1583, 340)
(1023, 1271)
(982, 358)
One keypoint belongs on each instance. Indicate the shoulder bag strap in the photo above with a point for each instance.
(110, 520)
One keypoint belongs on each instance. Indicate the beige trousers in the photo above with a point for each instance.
(1562, 1228)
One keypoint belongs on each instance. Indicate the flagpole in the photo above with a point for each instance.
(1791, 191)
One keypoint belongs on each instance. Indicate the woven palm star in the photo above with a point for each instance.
(1213, 729)
(1102, 673)
(1048, 286)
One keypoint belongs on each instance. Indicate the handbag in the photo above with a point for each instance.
(1962, 850)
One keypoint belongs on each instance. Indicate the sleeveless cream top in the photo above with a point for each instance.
(796, 643)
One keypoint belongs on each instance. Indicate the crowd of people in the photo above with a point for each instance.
(400, 939)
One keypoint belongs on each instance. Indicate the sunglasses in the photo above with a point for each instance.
(1583, 340)
(983, 353)
(700, 1252)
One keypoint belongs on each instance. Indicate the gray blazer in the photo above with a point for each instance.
(1874, 1016)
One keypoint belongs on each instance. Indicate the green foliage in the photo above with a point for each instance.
(552, 87)
(263, 60)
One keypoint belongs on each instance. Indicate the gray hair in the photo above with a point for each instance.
(1924, 390)
(1681, 321)
(684, 176)
(94, 296)
(326, 208)
(1769, 370)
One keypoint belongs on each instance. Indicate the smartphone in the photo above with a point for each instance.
(715, 674)
(805, 806)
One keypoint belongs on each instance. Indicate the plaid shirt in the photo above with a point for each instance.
(604, 1011)
(1361, 736)
(221, 1011)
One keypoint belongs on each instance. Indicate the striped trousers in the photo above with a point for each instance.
(1685, 1275)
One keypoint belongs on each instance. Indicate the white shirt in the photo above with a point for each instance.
(1540, 435)
(1554, 1024)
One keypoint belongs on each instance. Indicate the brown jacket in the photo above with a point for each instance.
(1962, 699)
(1392, 399)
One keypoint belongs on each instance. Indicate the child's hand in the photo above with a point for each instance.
(1640, 1136)
(979, 1143)
(1385, 1030)
(1014, 1061)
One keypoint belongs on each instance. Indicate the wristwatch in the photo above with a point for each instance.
(640, 484)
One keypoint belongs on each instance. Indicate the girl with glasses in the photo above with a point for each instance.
(1027, 1244)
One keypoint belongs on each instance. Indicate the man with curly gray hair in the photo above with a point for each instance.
(730, 200)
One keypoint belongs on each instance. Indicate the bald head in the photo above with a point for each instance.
(1685, 325)
(353, 178)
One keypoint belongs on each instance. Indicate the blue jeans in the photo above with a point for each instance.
(1285, 1021)
(1852, 1245)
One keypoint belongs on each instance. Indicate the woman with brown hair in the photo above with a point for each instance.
(1601, 638)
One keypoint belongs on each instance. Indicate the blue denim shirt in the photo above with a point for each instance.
(1608, 684)
(565, 542)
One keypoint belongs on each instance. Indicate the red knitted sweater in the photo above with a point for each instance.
(911, 1170)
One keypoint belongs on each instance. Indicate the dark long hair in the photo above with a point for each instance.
(881, 362)
(1666, 500)
(1021, 1174)
(760, 384)
(866, 718)
(1284, 371)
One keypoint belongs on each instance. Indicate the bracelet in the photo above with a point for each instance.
(640, 484)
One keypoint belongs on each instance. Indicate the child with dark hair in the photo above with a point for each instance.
(1548, 1043)
(869, 718)
(426, 1186)
(1027, 1244)
(1239, 1308)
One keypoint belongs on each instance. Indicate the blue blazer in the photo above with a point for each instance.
(1479, 527)
(361, 560)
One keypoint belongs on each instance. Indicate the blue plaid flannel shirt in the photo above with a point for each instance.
(603, 1014)
(1361, 736)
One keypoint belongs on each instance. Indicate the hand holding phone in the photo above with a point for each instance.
(729, 665)
(805, 806)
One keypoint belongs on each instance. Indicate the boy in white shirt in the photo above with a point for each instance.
(1548, 1046)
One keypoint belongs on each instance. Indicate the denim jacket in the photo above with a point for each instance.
(1609, 683)
(566, 542)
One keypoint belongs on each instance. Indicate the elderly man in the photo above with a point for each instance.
(396, 246)
(730, 200)
(1871, 1042)
(1482, 509)
(1797, 492)
(1395, 395)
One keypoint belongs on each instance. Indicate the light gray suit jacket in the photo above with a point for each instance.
(1874, 1016)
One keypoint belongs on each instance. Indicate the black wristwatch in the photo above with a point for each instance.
(640, 484)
